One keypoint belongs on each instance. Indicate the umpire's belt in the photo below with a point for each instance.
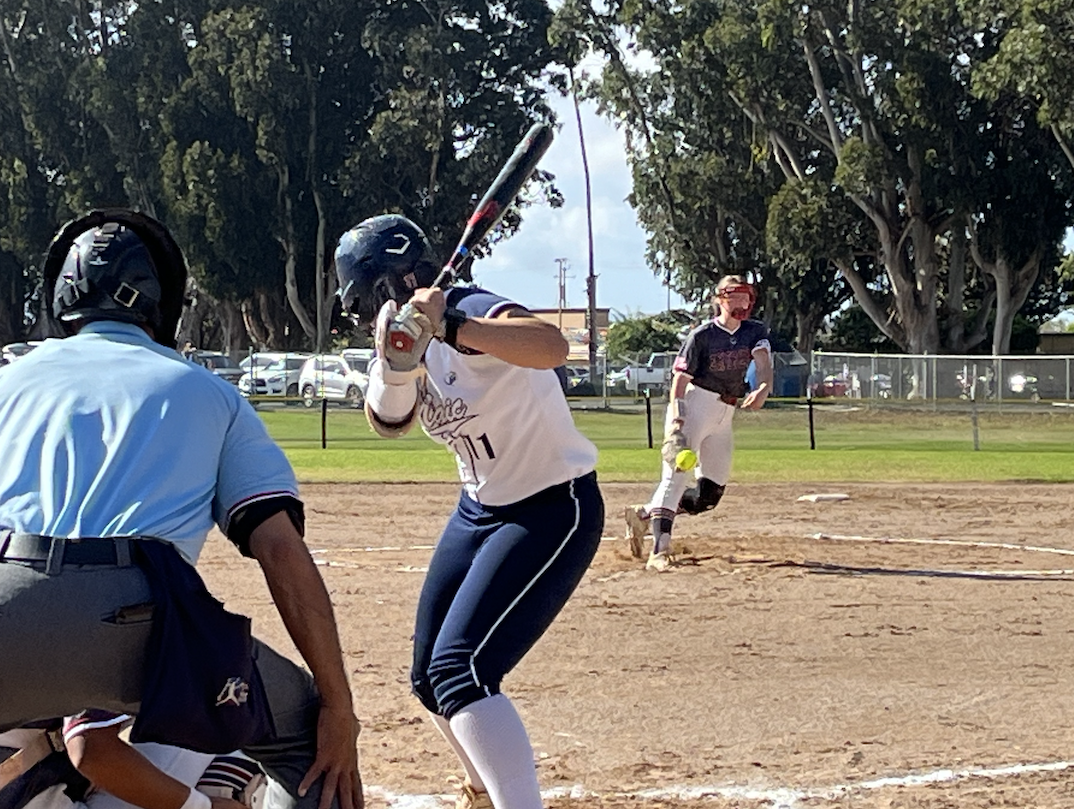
(728, 399)
(53, 553)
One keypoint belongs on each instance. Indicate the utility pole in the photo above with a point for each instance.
(564, 265)
(591, 277)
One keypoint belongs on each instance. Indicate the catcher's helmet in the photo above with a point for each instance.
(381, 258)
(736, 285)
(116, 264)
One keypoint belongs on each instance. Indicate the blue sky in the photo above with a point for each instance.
(524, 268)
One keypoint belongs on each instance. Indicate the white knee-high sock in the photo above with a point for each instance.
(472, 775)
(492, 734)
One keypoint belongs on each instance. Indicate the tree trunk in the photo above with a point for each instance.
(193, 315)
(320, 311)
(273, 314)
(1012, 286)
(254, 326)
(12, 299)
(956, 293)
(807, 324)
(1012, 289)
(287, 241)
(320, 288)
(236, 339)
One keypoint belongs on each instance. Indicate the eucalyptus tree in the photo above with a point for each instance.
(334, 110)
(36, 61)
(82, 86)
(1034, 60)
(866, 107)
(701, 180)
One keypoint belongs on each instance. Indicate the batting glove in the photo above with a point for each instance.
(402, 341)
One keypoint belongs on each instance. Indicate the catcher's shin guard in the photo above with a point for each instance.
(702, 497)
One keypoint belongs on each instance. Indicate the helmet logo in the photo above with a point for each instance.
(126, 295)
(402, 248)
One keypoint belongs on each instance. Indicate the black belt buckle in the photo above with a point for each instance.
(92, 551)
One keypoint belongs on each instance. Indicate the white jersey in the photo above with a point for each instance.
(510, 427)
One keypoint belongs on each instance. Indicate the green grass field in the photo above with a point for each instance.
(772, 445)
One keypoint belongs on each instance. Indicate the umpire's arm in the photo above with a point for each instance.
(304, 606)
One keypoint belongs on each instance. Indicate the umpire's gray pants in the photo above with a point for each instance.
(77, 640)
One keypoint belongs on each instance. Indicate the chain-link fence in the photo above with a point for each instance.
(934, 378)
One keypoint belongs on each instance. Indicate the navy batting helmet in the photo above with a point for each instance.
(384, 257)
(116, 264)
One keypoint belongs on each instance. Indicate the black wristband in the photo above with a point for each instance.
(453, 318)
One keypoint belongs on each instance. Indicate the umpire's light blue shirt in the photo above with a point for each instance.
(107, 433)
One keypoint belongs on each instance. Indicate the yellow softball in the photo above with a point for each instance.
(686, 460)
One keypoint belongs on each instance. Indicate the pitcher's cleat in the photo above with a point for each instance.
(661, 561)
(637, 524)
(470, 798)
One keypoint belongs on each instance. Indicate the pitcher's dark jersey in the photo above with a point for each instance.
(717, 359)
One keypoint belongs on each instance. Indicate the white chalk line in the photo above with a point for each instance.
(1007, 546)
(776, 797)
(982, 573)
(320, 561)
(386, 548)
(378, 549)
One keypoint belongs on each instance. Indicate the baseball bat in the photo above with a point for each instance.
(489, 211)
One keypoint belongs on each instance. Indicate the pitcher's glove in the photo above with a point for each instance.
(674, 443)
(402, 341)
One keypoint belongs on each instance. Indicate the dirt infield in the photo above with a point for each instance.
(776, 669)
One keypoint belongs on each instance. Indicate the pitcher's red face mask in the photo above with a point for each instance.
(738, 299)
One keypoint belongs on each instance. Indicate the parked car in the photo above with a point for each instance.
(278, 378)
(576, 376)
(655, 374)
(331, 377)
(262, 359)
(358, 358)
(831, 385)
(220, 364)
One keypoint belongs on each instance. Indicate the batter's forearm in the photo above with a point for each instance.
(391, 401)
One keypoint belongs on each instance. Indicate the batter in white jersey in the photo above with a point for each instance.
(530, 515)
(509, 426)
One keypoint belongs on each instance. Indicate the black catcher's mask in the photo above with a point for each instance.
(116, 264)
(384, 257)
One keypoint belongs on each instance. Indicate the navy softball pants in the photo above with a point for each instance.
(496, 581)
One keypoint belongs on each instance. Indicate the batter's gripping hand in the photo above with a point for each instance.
(416, 327)
(674, 443)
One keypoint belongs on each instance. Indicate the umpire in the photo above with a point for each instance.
(118, 458)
